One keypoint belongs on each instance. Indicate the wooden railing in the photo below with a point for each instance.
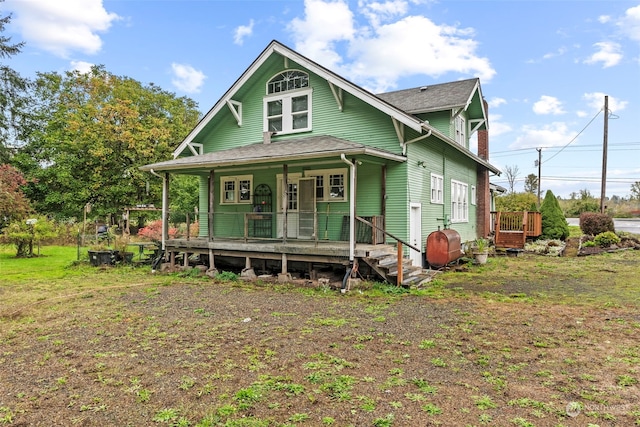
(512, 228)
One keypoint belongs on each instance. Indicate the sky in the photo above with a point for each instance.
(545, 66)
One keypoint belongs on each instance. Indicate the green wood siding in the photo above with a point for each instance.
(408, 182)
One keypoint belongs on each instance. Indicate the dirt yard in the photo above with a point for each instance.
(522, 342)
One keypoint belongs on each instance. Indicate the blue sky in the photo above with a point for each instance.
(545, 66)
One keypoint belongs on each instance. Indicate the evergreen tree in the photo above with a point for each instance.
(554, 224)
(12, 95)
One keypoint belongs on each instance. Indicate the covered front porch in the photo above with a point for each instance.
(311, 200)
(374, 252)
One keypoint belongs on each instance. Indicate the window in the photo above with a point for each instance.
(330, 184)
(459, 206)
(474, 195)
(236, 189)
(287, 106)
(461, 130)
(437, 183)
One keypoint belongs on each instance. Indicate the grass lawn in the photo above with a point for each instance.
(526, 341)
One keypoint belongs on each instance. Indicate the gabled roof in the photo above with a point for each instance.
(436, 97)
(306, 148)
(278, 48)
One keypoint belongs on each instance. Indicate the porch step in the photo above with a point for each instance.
(385, 262)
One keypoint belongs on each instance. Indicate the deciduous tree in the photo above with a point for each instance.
(95, 131)
(13, 203)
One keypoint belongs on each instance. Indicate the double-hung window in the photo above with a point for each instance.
(330, 184)
(236, 189)
(287, 106)
(460, 130)
(437, 184)
(459, 204)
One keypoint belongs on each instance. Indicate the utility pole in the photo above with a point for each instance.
(539, 164)
(603, 185)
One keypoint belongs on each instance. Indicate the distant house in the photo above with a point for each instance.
(297, 164)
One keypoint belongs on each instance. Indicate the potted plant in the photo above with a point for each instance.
(101, 254)
(481, 250)
(120, 244)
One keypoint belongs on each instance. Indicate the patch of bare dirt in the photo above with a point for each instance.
(258, 355)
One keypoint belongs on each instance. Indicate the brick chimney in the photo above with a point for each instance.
(483, 203)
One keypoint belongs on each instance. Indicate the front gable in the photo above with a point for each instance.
(238, 118)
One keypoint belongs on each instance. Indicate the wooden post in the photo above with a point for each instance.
(188, 225)
(211, 205)
(285, 203)
(400, 265)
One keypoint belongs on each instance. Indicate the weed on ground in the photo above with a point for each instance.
(527, 341)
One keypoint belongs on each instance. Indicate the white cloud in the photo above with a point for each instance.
(81, 66)
(324, 24)
(595, 100)
(550, 135)
(548, 105)
(630, 23)
(496, 102)
(242, 32)
(603, 19)
(61, 27)
(608, 54)
(496, 126)
(381, 53)
(186, 78)
(377, 12)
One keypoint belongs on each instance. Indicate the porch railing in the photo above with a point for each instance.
(313, 226)
(513, 228)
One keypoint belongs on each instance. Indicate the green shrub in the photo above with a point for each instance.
(606, 239)
(554, 224)
(593, 223)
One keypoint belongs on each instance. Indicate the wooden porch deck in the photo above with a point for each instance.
(294, 250)
(512, 229)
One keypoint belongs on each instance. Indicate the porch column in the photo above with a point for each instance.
(352, 207)
(212, 200)
(285, 200)
(165, 210)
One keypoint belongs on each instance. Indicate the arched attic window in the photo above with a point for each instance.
(287, 106)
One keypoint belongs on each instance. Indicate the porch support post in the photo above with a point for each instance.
(165, 210)
(285, 203)
(284, 264)
(212, 264)
(211, 207)
(352, 207)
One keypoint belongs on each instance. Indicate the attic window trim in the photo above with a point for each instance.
(236, 110)
(286, 76)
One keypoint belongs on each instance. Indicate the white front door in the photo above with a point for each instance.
(301, 204)
(415, 233)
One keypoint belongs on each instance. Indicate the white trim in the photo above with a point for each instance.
(236, 110)
(326, 184)
(235, 197)
(474, 195)
(287, 113)
(459, 201)
(439, 190)
(276, 47)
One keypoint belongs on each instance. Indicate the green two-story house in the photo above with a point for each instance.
(297, 164)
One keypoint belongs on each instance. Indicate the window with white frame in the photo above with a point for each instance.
(459, 205)
(474, 195)
(330, 184)
(236, 189)
(287, 106)
(460, 130)
(437, 184)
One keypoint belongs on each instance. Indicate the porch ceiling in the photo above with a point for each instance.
(306, 148)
